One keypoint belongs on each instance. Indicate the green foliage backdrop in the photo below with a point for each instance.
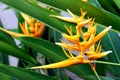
(106, 13)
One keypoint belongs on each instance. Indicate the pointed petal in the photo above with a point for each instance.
(74, 16)
(62, 64)
(68, 19)
(26, 17)
(98, 37)
(69, 30)
(32, 26)
(39, 29)
(68, 46)
(83, 23)
(73, 39)
(99, 55)
(70, 55)
(12, 33)
(22, 26)
(92, 48)
(83, 13)
(26, 28)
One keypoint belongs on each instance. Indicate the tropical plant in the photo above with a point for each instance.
(53, 47)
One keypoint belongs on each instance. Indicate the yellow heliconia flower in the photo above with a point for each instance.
(86, 46)
(29, 28)
(91, 55)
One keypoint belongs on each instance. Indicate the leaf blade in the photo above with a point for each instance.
(111, 42)
(12, 50)
(23, 74)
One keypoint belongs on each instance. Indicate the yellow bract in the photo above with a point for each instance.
(74, 19)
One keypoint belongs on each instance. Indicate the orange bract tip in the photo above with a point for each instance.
(62, 64)
(73, 39)
(98, 55)
(65, 63)
(75, 19)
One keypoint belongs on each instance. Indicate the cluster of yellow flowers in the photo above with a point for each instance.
(86, 47)
(35, 28)
(29, 28)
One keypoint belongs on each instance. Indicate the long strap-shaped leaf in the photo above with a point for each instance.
(5, 77)
(23, 74)
(14, 51)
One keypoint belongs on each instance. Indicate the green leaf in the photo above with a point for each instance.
(5, 77)
(4, 58)
(19, 16)
(94, 3)
(117, 3)
(101, 66)
(14, 51)
(101, 16)
(101, 77)
(109, 6)
(6, 38)
(111, 42)
(55, 54)
(23, 74)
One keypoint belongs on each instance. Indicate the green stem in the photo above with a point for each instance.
(94, 70)
(97, 75)
(103, 62)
